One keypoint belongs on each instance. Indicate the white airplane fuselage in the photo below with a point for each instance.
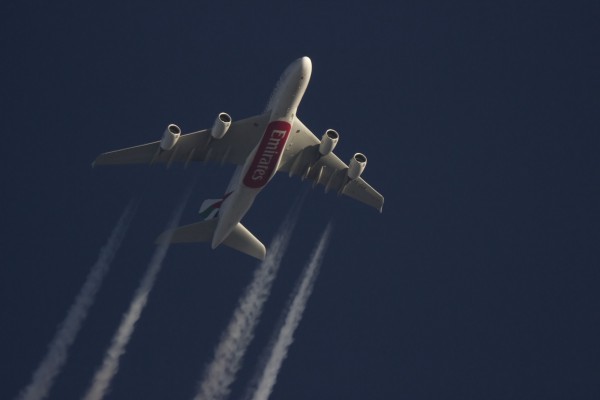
(262, 163)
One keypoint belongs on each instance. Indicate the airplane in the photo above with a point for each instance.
(274, 141)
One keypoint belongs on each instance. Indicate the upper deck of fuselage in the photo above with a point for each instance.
(289, 90)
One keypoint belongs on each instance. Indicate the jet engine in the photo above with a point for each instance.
(170, 137)
(328, 142)
(357, 166)
(221, 125)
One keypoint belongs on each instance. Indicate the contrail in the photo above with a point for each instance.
(229, 353)
(262, 384)
(110, 364)
(58, 350)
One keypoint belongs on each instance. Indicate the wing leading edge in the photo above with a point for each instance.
(302, 158)
(233, 148)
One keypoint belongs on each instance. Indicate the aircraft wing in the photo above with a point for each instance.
(302, 158)
(234, 147)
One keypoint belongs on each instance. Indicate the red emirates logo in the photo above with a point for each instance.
(268, 154)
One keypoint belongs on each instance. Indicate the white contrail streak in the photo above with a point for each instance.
(220, 373)
(263, 383)
(58, 350)
(110, 364)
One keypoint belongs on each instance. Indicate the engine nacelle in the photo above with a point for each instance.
(170, 137)
(330, 139)
(357, 166)
(221, 125)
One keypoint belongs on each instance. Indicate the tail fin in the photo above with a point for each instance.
(239, 239)
(210, 208)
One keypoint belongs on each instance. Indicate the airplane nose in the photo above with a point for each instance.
(305, 63)
(305, 66)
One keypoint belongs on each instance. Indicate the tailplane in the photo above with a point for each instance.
(240, 239)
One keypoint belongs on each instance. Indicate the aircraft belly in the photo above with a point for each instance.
(232, 211)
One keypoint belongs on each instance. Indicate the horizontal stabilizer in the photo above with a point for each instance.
(243, 240)
(193, 233)
(239, 239)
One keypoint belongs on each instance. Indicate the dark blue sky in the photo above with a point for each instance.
(480, 120)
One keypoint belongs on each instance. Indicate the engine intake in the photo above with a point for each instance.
(170, 137)
(357, 166)
(328, 142)
(221, 125)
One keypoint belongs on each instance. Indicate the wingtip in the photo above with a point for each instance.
(260, 254)
(97, 160)
(263, 255)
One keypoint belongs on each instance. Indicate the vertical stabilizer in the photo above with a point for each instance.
(210, 208)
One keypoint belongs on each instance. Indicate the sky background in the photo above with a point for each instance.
(480, 280)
